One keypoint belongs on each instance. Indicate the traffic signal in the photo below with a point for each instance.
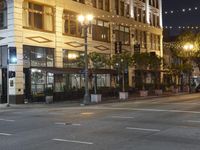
(118, 47)
(12, 55)
(12, 74)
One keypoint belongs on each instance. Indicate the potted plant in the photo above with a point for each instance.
(122, 62)
(155, 63)
(141, 61)
(48, 95)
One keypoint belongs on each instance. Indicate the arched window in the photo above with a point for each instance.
(3, 14)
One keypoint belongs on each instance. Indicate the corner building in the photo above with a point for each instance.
(48, 40)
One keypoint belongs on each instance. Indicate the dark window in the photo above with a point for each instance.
(72, 26)
(122, 34)
(80, 1)
(37, 16)
(107, 5)
(94, 3)
(100, 4)
(3, 14)
(100, 31)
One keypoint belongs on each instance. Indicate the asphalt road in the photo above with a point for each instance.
(170, 123)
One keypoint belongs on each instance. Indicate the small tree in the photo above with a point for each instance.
(155, 63)
(141, 61)
(122, 62)
(97, 61)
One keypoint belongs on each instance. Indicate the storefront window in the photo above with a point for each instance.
(73, 59)
(3, 14)
(38, 56)
(40, 80)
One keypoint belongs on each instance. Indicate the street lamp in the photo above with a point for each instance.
(189, 47)
(86, 22)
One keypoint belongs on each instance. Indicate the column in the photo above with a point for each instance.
(16, 84)
(147, 11)
(58, 37)
(160, 14)
(131, 9)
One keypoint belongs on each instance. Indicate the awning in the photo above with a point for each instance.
(74, 70)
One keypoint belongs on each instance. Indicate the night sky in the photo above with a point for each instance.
(179, 18)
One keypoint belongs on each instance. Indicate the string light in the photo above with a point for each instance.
(182, 27)
(184, 10)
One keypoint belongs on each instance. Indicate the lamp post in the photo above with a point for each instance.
(86, 22)
(189, 47)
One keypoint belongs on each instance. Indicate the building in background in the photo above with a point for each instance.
(48, 41)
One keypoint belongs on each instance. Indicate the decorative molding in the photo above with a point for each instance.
(101, 47)
(75, 44)
(39, 39)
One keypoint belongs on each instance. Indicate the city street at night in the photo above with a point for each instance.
(167, 123)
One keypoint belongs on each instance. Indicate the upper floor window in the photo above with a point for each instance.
(100, 31)
(71, 24)
(80, 1)
(101, 4)
(3, 14)
(122, 34)
(154, 3)
(122, 8)
(37, 16)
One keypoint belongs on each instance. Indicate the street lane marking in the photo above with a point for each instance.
(64, 123)
(5, 134)
(7, 120)
(147, 110)
(142, 129)
(72, 141)
(194, 121)
(122, 117)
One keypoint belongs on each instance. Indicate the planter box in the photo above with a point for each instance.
(123, 95)
(95, 98)
(143, 93)
(158, 92)
(49, 99)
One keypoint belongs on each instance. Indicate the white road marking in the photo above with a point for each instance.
(63, 123)
(142, 129)
(7, 120)
(72, 141)
(5, 134)
(122, 117)
(147, 110)
(194, 121)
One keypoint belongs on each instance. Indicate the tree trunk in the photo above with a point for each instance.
(95, 84)
(123, 82)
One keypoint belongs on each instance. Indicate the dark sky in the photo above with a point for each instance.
(188, 18)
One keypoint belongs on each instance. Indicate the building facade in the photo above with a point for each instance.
(48, 40)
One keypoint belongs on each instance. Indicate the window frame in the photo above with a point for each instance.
(4, 12)
(29, 10)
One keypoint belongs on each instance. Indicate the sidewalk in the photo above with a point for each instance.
(76, 103)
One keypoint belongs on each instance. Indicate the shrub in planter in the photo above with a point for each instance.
(49, 95)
